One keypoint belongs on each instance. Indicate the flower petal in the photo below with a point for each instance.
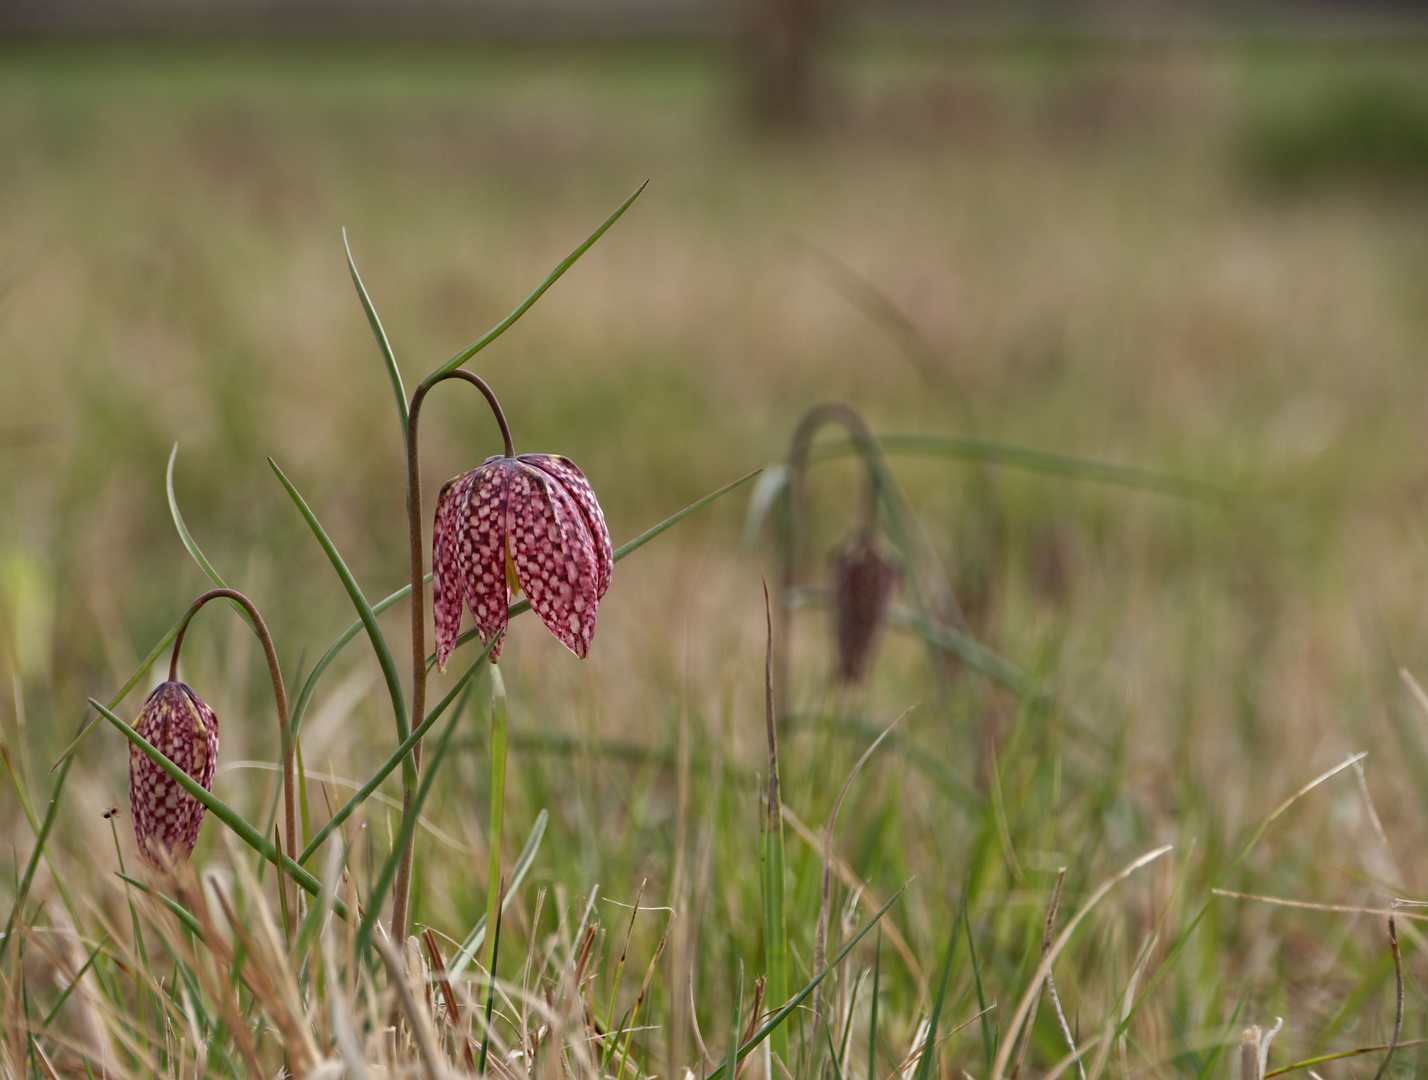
(555, 557)
(483, 577)
(449, 543)
(182, 726)
(568, 474)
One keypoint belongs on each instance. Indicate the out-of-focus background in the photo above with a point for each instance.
(1182, 236)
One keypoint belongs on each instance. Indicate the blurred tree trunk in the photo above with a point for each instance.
(779, 41)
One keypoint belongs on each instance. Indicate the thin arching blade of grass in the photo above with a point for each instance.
(925, 1067)
(369, 621)
(775, 1021)
(409, 823)
(398, 756)
(191, 544)
(987, 451)
(1173, 953)
(477, 937)
(393, 372)
(1013, 1028)
(880, 310)
(219, 808)
(555, 275)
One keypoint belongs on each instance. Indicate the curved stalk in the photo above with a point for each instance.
(280, 695)
(832, 412)
(402, 887)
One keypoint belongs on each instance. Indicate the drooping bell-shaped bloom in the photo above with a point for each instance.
(863, 579)
(526, 524)
(166, 817)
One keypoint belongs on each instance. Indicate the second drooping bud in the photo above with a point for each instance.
(863, 580)
(184, 729)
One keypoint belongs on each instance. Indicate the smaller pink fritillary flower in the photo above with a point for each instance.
(185, 730)
(526, 524)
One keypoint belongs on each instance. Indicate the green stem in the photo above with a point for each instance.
(498, 806)
(402, 889)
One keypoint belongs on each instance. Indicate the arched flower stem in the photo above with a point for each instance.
(402, 887)
(279, 694)
(832, 412)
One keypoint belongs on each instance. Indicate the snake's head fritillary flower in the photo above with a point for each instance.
(184, 729)
(863, 579)
(526, 524)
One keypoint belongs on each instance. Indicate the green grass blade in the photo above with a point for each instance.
(1030, 459)
(219, 809)
(873, 1018)
(989, 1049)
(393, 372)
(525, 305)
(368, 618)
(409, 824)
(929, 1048)
(398, 756)
(777, 1019)
(498, 808)
(477, 937)
(731, 1060)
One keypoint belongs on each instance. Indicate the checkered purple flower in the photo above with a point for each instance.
(184, 729)
(529, 523)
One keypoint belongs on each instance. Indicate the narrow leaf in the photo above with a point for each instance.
(506, 323)
(393, 372)
(219, 808)
(365, 614)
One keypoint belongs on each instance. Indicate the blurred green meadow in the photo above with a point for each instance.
(1206, 260)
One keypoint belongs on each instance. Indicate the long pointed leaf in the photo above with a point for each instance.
(393, 372)
(365, 614)
(506, 323)
(190, 543)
